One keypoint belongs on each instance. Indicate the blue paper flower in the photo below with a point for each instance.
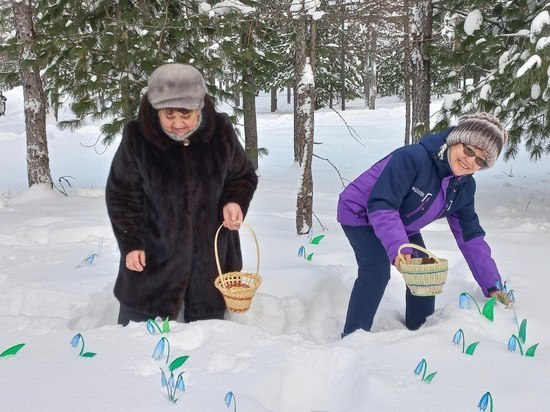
(486, 401)
(180, 384)
(421, 365)
(76, 340)
(89, 259)
(483, 402)
(464, 301)
(504, 288)
(512, 344)
(171, 383)
(228, 398)
(159, 350)
(459, 335)
(150, 327)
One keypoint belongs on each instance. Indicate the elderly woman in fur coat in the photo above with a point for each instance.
(178, 174)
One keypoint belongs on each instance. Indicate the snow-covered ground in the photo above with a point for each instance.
(285, 354)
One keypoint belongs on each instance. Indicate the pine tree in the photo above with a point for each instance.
(507, 44)
(98, 54)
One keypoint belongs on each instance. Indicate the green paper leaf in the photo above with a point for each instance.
(471, 348)
(523, 331)
(531, 350)
(88, 354)
(317, 239)
(429, 378)
(176, 363)
(309, 257)
(12, 351)
(488, 309)
(166, 325)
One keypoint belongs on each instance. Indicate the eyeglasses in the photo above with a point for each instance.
(469, 152)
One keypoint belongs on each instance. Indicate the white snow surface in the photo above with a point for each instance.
(285, 354)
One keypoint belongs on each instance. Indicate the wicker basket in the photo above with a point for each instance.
(424, 276)
(237, 288)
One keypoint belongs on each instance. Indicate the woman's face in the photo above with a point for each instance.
(465, 159)
(177, 122)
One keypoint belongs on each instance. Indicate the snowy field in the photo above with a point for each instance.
(285, 354)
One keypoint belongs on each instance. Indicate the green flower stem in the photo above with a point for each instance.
(519, 344)
(157, 326)
(81, 350)
(473, 300)
(425, 370)
(491, 401)
(463, 341)
(168, 350)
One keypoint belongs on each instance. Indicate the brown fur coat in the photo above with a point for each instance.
(167, 198)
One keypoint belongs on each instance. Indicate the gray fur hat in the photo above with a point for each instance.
(482, 130)
(176, 85)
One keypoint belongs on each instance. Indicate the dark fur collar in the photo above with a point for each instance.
(149, 125)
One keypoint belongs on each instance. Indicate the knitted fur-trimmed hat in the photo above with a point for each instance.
(177, 86)
(482, 130)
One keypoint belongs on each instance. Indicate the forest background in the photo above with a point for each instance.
(95, 56)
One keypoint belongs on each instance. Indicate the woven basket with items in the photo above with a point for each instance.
(424, 276)
(237, 288)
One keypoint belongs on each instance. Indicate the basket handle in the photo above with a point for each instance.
(218, 258)
(413, 246)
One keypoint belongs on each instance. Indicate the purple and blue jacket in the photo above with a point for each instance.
(410, 188)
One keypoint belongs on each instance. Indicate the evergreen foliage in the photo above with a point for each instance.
(96, 55)
(507, 59)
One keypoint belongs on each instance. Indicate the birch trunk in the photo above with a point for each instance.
(421, 30)
(304, 111)
(34, 99)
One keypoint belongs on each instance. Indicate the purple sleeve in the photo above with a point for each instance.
(477, 253)
(389, 228)
(385, 201)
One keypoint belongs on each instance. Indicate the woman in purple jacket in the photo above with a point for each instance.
(386, 206)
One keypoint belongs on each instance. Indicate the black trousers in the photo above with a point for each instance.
(127, 315)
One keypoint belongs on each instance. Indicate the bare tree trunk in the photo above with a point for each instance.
(421, 31)
(236, 90)
(372, 73)
(304, 201)
(288, 94)
(407, 70)
(366, 80)
(304, 112)
(313, 46)
(38, 163)
(299, 64)
(343, 56)
(249, 104)
(273, 99)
